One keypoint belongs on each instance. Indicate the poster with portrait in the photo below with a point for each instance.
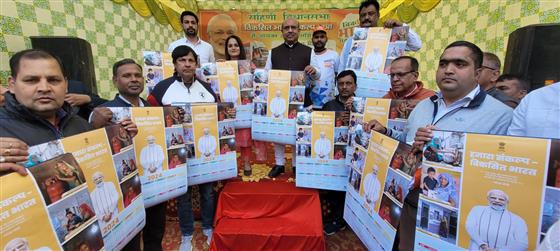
(278, 97)
(97, 171)
(47, 211)
(211, 155)
(391, 113)
(321, 140)
(379, 179)
(160, 151)
(157, 66)
(232, 81)
(476, 188)
(370, 56)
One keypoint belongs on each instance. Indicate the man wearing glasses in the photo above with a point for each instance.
(369, 17)
(488, 77)
(404, 80)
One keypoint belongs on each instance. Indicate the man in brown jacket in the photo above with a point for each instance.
(404, 80)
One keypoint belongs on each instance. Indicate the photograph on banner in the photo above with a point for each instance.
(160, 135)
(277, 100)
(30, 224)
(157, 67)
(475, 192)
(378, 184)
(551, 203)
(320, 150)
(212, 152)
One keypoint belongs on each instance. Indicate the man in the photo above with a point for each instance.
(322, 146)
(207, 144)
(220, 27)
(369, 16)
(538, 114)
(292, 56)
(513, 86)
(105, 200)
(461, 105)
(323, 91)
(346, 85)
(151, 156)
(374, 61)
(278, 105)
(493, 227)
(204, 50)
(82, 99)
(404, 80)
(129, 81)
(488, 76)
(372, 187)
(35, 111)
(180, 89)
(230, 93)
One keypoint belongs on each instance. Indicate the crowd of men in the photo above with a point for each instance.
(472, 97)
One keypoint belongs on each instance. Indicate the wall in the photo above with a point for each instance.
(486, 23)
(114, 31)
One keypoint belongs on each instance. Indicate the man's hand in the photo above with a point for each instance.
(77, 99)
(310, 70)
(12, 150)
(376, 126)
(390, 23)
(100, 117)
(349, 103)
(423, 135)
(130, 127)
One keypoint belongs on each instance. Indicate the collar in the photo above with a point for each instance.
(417, 86)
(198, 41)
(126, 101)
(291, 46)
(467, 99)
(17, 109)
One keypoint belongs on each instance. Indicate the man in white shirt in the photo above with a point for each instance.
(278, 106)
(151, 156)
(372, 187)
(369, 16)
(105, 199)
(322, 147)
(204, 50)
(374, 61)
(207, 144)
(327, 59)
(493, 227)
(230, 93)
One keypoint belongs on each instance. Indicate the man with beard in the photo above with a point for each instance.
(369, 16)
(327, 59)
(220, 27)
(204, 50)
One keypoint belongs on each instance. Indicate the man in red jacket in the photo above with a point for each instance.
(404, 80)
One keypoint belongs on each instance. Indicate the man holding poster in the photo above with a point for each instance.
(493, 227)
(293, 56)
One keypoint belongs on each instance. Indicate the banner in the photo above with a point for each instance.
(103, 172)
(321, 141)
(262, 30)
(211, 155)
(232, 81)
(381, 172)
(391, 113)
(277, 100)
(486, 192)
(370, 56)
(157, 67)
(161, 150)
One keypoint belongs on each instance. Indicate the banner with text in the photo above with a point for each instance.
(487, 192)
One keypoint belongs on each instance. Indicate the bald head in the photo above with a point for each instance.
(290, 31)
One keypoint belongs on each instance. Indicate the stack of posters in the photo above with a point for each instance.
(162, 149)
(100, 178)
(321, 141)
(370, 56)
(381, 171)
(157, 67)
(232, 81)
(277, 99)
(487, 192)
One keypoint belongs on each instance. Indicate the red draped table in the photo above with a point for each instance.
(269, 215)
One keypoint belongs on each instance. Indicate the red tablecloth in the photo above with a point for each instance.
(267, 216)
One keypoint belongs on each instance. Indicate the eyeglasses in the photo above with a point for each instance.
(399, 74)
(489, 68)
